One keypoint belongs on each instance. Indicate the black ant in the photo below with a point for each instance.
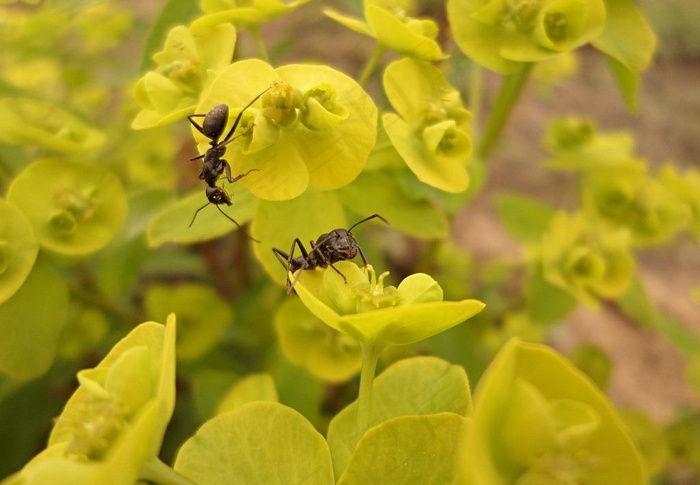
(337, 245)
(213, 165)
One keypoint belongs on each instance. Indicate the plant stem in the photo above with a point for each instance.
(476, 89)
(371, 65)
(508, 95)
(259, 44)
(156, 471)
(370, 355)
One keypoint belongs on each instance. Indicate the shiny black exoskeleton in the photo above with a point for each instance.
(213, 165)
(329, 248)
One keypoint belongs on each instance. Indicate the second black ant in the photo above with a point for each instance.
(213, 165)
(337, 245)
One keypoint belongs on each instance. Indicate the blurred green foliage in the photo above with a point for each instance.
(100, 179)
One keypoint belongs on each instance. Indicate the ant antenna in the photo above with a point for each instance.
(373, 216)
(227, 217)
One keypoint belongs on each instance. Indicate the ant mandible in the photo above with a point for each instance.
(337, 245)
(213, 165)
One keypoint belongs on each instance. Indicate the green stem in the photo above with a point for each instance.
(370, 355)
(372, 64)
(476, 90)
(156, 471)
(259, 44)
(510, 91)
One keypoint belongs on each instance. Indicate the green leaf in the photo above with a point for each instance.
(172, 224)
(408, 449)
(75, 208)
(627, 81)
(253, 387)
(525, 218)
(377, 192)
(257, 443)
(547, 303)
(18, 249)
(637, 305)
(31, 321)
(628, 43)
(416, 386)
(627, 37)
(198, 331)
(174, 12)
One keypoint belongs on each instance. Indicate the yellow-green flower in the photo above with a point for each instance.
(585, 260)
(391, 23)
(430, 131)
(112, 427)
(499, 34)
(365, 309)
(686, 187)
(538, 420)
(626, 196)
(314, 126)
(188, 62)
(246, 13)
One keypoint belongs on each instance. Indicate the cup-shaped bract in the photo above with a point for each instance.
(391, 23)
(188, 62)
(585, 259)
(499, 34)
(74, 208)
(114, 423)
(626, 196)
(329, 355)
(359, 304)
(431, 130)
(686, 187)
(538, 419)
(18, 249)
(314, 126)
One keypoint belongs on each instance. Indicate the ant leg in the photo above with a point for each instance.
(199, 127)
(238, 118)
(305, 264)
(227, 170)
(197, 212)
(237, 224)
(281, 256)
(338, 271)
(362, 255)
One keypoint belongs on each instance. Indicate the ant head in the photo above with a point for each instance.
(215, 121)
(341, 245)
(217, 196)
